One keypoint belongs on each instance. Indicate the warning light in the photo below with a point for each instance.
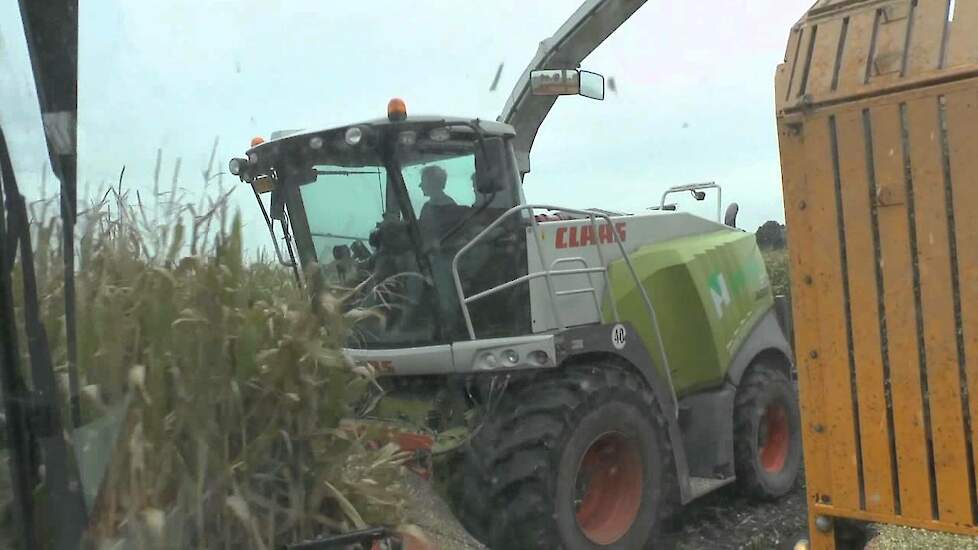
(257, 140)
(396, 109)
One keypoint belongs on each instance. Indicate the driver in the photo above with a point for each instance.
(433, 180)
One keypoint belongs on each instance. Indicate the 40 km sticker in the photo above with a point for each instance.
(618, 336)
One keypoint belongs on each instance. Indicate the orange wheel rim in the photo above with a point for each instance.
(609, 488)
(774, 438)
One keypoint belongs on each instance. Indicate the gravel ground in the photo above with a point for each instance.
(722, 521)
(726, 520)
(892, 537)
(427, 510)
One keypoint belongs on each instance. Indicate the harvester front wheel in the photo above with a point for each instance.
(767, 433)
(575, 459)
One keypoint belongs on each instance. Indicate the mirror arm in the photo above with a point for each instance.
(271, 231)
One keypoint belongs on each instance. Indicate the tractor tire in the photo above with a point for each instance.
(522, 486)
(767, 433)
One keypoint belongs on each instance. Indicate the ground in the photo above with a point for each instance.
(725, 520)
(722, 520)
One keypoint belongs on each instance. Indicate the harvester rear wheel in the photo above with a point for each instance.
(576, 459)
(767, 433)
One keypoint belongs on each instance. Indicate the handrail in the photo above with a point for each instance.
(695, 187)
(548, 275)
(594, 293)
(528, 277)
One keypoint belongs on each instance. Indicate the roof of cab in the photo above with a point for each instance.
(490, 126)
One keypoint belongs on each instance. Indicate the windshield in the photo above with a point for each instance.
(385, 222)
(344, 204)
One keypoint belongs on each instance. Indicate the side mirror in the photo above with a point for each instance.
(699, 195)
(550, 82)
(592, 85)
(490, 164)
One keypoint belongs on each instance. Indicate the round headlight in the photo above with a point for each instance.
(511, 357)
(353, 135)
(236, 166)
(316, 143)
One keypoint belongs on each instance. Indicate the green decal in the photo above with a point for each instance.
(719, 293)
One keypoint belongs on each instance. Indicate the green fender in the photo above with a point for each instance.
(709, 292)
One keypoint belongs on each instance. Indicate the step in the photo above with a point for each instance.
(699, 486)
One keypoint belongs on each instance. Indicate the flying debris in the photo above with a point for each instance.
(685, 125)
(495, 80)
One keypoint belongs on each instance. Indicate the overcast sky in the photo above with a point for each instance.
(694, 102)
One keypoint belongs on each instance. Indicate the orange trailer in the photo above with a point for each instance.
(877, 109)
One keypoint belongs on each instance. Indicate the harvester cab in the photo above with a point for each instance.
(571, 373)
(383, 207)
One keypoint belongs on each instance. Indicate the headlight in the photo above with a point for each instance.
(439, 134)
(236, 166)
(539, 358)
(487, 361)
(511, 357)
(407, 138)
(353, 135)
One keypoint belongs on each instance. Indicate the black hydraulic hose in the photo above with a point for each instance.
(13, 388)
(344, 540)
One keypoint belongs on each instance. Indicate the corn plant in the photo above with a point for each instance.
(226, 376)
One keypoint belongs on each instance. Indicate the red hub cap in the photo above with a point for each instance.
(773, 438)
(609, 488)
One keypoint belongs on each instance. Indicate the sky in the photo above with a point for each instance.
(694, 101)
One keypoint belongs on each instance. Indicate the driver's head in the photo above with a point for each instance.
(433, 179)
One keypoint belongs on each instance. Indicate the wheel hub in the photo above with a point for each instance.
(608, 488)
(774, 437)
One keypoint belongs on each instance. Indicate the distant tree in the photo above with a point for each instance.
(771, 235)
